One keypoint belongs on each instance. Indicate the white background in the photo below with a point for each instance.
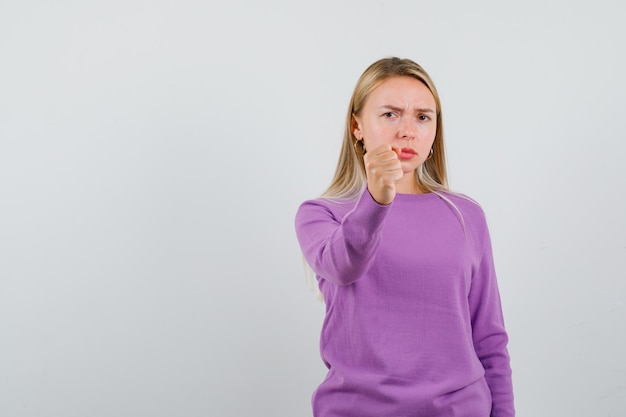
(153, 155)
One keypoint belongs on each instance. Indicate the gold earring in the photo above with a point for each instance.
(359, 147)
(430, 154)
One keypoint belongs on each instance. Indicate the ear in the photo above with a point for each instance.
(355, 127)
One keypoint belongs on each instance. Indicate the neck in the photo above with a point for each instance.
(409, 185)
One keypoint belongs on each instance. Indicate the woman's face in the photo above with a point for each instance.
(401, 111)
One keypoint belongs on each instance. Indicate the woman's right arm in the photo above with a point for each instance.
(340, 250)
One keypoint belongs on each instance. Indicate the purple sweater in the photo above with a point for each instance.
(413, 325)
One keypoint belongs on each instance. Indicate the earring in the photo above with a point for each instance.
(359, 147)
(430, 154)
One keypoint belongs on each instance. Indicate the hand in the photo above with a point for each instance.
(383, 170)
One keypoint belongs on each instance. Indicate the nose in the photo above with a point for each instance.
(406, 129)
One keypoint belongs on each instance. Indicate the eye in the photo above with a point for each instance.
(423, 117)
(389, 114)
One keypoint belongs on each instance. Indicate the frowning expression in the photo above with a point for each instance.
(400, 111)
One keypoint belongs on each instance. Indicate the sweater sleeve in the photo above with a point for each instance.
(488, 332)
(340, 250)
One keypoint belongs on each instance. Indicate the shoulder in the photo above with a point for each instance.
(333, 204)
(463, 200)
(471, 212)
(465, 203)
(322, 206)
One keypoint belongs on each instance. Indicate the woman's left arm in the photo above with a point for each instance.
(488, 332)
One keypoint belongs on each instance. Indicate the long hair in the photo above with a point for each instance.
(349, 179)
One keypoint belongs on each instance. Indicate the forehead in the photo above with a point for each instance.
(402, 90)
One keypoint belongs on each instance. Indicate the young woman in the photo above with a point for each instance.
(414, 324)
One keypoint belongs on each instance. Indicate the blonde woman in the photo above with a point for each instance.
(414, 324)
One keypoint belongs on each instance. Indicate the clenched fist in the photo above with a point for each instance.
(383, 170)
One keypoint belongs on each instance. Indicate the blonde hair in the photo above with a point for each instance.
(349, 179)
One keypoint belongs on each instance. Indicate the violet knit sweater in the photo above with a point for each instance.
(413, 325)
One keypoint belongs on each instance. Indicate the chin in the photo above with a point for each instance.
(410, 167)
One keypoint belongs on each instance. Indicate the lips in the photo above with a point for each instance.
(406, 153)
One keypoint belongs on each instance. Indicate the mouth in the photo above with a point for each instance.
(406, 153)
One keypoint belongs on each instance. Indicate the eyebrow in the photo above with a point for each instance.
(399, 109)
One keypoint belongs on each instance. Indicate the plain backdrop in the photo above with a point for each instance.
(153, 155)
